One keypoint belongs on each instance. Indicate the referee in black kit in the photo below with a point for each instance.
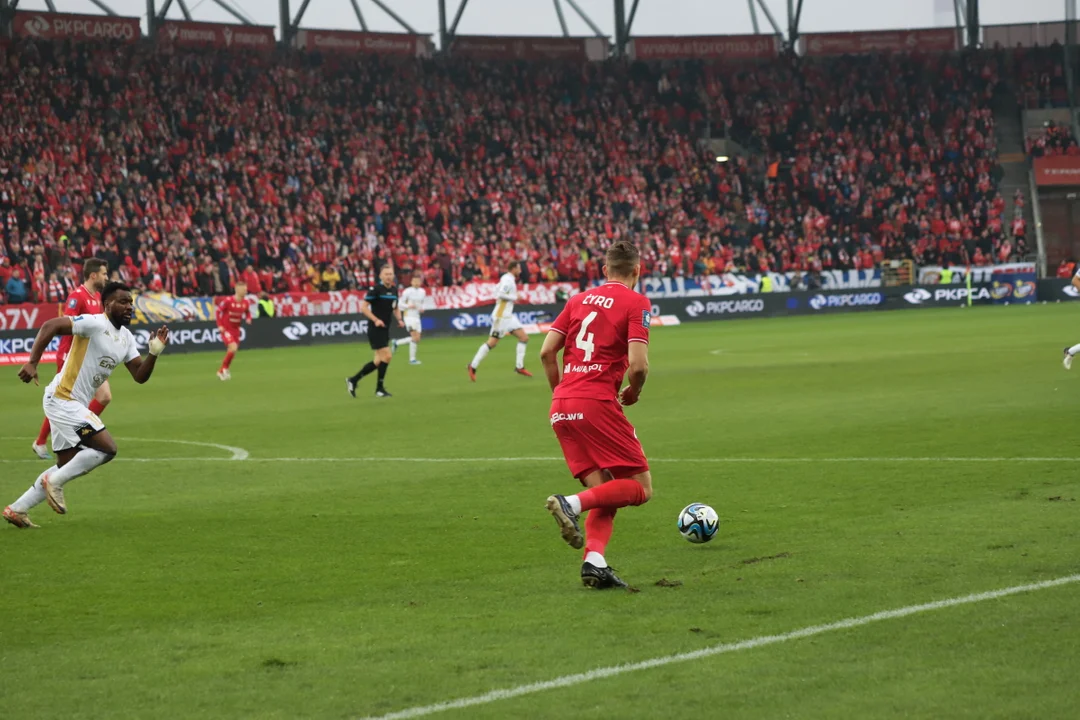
(380, 303)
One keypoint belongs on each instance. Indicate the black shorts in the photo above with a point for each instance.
(378, 337)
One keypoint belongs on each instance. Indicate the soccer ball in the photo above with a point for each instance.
(698, 523)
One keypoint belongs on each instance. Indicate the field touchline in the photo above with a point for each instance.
(240, 454)
(612, 671)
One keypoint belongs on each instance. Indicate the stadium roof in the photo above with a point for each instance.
(554, 17)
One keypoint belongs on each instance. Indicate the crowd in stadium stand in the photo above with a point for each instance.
(1040, 76)
(1051, 141)
(187, 170)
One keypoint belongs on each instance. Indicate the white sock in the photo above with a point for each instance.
(79, 465)
(595, 559)
(521, 355)
(34, 496)
(1074, 350)
(412, 350)
(575, 503)
(480, 355)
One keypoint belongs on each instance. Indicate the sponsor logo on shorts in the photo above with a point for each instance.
(566, 417)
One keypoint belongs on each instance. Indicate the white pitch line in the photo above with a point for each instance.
(732, 460)
(237, 453)
(607, 672)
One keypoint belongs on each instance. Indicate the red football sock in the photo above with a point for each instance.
(96, 407)
(228, 360)
(598, 526)
(612, 495)
(44, 434)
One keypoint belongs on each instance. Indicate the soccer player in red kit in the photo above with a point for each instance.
(84, 300)
(604, 335)
(231, 314)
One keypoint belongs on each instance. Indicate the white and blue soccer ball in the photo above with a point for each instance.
(698, 523)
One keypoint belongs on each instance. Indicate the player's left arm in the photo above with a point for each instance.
(637, 341)
(397, 314)
(142, 368)
(1076, 281)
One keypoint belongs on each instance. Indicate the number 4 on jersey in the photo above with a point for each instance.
(585, 342)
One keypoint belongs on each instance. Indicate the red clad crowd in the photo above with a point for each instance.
(1053, 140)
(186, 170)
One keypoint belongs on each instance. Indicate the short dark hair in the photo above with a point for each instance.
(513, 264)
(91, 266)
(111, 289)
(621, 259)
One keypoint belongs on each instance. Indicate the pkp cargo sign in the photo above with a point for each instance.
(67, 26)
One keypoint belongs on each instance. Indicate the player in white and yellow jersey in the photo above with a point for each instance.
(503, 322)
(411, 302)
(80, 440)
(1071, 352)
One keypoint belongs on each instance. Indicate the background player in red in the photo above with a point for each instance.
(604, 335)
(84, 300)
(231, 314)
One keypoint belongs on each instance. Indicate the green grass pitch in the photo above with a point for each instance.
(291, 585)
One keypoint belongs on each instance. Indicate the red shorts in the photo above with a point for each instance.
(230, 336)
(595, 435)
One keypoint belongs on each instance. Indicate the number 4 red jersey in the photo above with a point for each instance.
(599, 326)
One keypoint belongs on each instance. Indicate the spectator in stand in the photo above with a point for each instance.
(330, 278)
(1052, 141)
(15, 289)
(1067, 269)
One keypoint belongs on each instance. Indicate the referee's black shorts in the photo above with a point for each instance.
(378, 337)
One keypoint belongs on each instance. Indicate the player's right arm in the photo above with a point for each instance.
(549, 356)
(554, 342)
(1076, 281)
(63, 325)
(365, 308)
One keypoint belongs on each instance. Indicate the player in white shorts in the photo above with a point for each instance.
(412, 304)
(1070, 352)
(80, 440)
(503, 322)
